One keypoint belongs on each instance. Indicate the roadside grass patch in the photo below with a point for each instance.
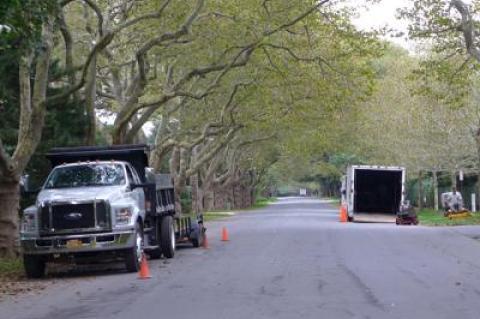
(10, 268)
(214, 215)
(261, 202)
(335, 201)
(430, 217)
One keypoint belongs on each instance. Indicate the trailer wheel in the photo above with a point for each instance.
(34, 266)
(199, 239)
(167, 237)
(350, 219)
(155, 253)
(133, 257)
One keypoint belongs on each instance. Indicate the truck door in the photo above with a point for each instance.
(137, 193)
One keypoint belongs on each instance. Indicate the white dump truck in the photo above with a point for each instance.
(104, 203)
(373, 193)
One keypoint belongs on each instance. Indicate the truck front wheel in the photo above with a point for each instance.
(167, 237)
(34, 266)
(133, 256)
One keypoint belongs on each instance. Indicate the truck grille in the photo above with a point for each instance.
(65, 218)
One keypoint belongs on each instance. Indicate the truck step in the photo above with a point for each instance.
(147, 230)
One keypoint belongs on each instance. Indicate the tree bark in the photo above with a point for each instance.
(32, 118)
(420, 190)
(9, 199)
(90, 97)
(197, 193)
(435, 190)
(453, 179)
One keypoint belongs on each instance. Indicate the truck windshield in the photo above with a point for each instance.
(86, 175)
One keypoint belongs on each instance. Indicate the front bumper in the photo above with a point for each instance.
(78, 243)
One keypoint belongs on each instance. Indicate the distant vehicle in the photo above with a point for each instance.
(103, 203)
(303, 192)
(373, 190)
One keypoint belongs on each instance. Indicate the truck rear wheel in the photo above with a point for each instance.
(34, 266)
(133, 257)
(167, 237)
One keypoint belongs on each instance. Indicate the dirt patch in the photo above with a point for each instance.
(12, 285)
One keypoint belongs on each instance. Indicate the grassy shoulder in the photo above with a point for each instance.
(215, 215)
(334, 201)
(430, 217)
(11, 268)
(262, 202)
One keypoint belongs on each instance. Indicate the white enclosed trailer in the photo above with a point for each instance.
(371, 191)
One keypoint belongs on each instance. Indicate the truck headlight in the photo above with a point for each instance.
(28, 223)
(123, 215)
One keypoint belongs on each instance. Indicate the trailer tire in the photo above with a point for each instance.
(198, 240)
(34, 266)
(350, 219)
(134, 255)
(167, 237)
(155, 253)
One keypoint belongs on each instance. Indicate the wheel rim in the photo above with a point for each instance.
(138, 247)
(172, 238)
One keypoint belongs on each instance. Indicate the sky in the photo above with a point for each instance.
(380, 15)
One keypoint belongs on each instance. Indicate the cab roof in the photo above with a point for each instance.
(136, 155)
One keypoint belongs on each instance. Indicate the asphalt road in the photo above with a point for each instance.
(290, 260)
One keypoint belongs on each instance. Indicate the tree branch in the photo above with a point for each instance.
(467, 28)
(297, 19)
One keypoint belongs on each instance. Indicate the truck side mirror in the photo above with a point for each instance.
(25, 183)
(26, 187)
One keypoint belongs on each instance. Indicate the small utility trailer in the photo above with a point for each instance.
(373, 193)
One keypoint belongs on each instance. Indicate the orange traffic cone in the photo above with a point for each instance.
(144, 272)
(224, 234)
(205, 241)
(343, 214)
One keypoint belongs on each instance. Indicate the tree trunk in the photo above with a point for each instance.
(208, 199)
(435, 190)
(420, 190)
(9, 199)
(453, 179)
(178, 189)
(90, 97)
(32, 118)
(197, 194)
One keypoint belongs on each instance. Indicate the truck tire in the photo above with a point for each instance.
(133, 256)
(167, 237)
(34, 266)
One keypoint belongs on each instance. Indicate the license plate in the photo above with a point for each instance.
(74, 243)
